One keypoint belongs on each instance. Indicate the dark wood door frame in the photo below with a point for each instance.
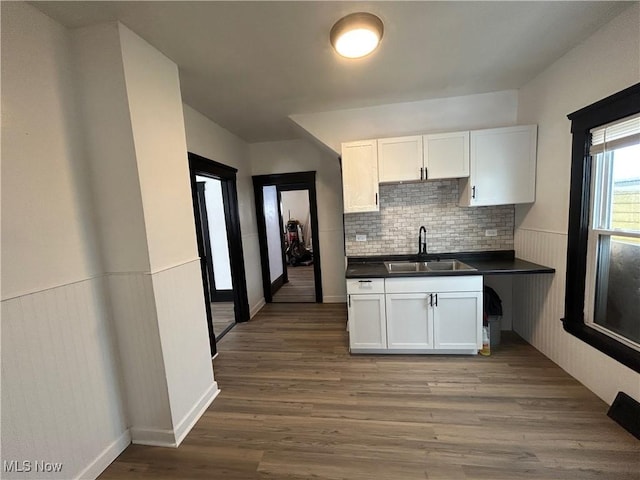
(285, 273)
(227, 175)
(282, 182)
(216, 294)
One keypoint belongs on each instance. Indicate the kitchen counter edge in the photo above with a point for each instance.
(501, 262)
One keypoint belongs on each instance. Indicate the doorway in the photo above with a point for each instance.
(215, 206)
(286, 210)
(216, 248)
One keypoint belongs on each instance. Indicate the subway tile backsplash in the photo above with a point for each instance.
(450, 228)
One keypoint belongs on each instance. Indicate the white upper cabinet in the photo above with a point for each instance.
(360, 176)
(400, 159)
(423, 157)
(502, 167)
(446, 155)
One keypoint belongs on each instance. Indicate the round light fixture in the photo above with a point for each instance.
(357, 34)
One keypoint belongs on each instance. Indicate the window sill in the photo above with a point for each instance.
(604, 343)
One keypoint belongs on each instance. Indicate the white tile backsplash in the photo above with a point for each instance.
(450, 228)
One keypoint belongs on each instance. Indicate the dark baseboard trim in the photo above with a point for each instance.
(277, 284)
(626, 412)
(222, 296)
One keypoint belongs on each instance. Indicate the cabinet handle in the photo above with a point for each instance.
(426, 177)
(431, 299)
(436, 299)
(421, 170)
(377, 198)
(473, 192)
(349, 297)
(364, 281)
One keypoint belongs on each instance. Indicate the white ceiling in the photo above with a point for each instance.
(248, 65)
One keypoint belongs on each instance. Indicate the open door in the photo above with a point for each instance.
(205, 171)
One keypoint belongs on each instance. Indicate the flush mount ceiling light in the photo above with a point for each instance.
(357, 34)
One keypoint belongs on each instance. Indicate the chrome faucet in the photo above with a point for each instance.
(422, 241)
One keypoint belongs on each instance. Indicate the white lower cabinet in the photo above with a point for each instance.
(416, 315)
(457, 321)
(367, 317)
(409, 321)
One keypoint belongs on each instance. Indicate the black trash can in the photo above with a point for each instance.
(493, 314)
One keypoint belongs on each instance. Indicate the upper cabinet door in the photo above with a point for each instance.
(360, 176)
(502, 167)
(446, 155)
(400, 159)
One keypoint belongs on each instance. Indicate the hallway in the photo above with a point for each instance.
(301, 286)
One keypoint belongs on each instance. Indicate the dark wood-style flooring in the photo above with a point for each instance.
(300, 288)
(223, 316)
(296, 406)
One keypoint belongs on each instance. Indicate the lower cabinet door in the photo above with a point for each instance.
(457, 320)
(367, 321)
(409, 322)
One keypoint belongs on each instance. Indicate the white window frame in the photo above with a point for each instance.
(599, 226)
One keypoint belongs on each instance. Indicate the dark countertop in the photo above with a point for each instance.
(502, 262)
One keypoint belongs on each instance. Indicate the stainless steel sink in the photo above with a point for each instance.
(448, 265)
(405, 267)
(435, 266)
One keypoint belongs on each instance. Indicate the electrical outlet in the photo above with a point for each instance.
(491, 233)
(361, 237)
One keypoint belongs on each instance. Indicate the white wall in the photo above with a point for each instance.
(217, 232)
(468, 112)
(61, 394)
(143, 198)
(110, 150)
(206, 138)
(111, 157)
(47, 226)
(605, 63)
(155, 105)
(299, 156)
(272, 224)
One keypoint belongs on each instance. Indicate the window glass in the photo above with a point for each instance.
(616, 226)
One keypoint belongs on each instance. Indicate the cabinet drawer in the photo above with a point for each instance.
(462, 283)
(365, 285)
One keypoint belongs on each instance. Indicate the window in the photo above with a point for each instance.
(613, 258)
(602, 299)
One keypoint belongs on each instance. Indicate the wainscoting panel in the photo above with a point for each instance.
(61, 395)
(135, 319)
(539, 307)
(182, 322)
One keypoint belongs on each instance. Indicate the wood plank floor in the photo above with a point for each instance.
(296, 406)
(300, 288)
(223, 316)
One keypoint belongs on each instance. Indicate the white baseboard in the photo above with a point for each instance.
(334, 299)
(256, 308)
(154, 437)
(190, 419)
(173, 438)
(104, 459)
